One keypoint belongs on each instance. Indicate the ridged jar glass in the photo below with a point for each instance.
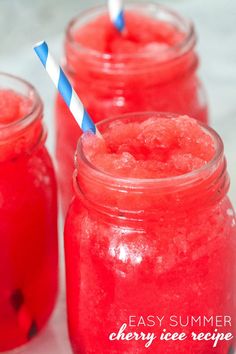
(28, 218)
(149, 247)
(114, 84)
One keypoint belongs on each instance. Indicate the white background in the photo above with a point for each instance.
(24, 22)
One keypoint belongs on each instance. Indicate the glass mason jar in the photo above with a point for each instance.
(114, 84)
(149, 247)
(28, 216)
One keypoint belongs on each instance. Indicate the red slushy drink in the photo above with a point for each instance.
(150, 66)
(150, 234)
(28, 216)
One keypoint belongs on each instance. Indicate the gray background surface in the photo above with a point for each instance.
(24, 22)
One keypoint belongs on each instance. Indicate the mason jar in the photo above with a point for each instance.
(28, 216)
(140, 247)
(111, 84)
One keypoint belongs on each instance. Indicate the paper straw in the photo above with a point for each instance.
(64, 87)
(117, 14)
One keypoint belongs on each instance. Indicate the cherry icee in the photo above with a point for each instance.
(13, 106)
(153, 36)
(153, 148)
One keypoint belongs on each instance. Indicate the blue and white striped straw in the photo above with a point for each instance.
(64, 87)
(117, 13)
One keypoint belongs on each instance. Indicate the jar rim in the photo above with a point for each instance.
(35, 109)
(165, 182)
(178, 49)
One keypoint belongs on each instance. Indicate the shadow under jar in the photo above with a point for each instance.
(28, 216)
(152, 66)
(153, 246)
